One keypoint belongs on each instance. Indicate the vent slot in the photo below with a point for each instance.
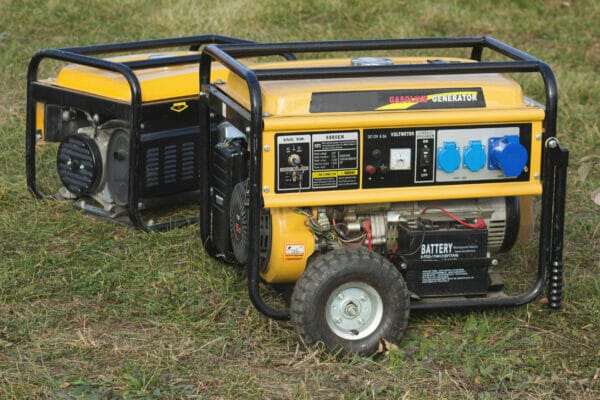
(169, 162)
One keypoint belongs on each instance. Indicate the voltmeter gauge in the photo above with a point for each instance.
(400, 159)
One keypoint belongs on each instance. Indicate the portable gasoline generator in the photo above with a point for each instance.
(125, 128)
(376, 185)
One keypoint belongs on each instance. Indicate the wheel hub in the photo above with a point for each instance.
(351, 310)
(354, 310)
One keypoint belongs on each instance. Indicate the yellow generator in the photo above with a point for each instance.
(125, 129)
(375, 185)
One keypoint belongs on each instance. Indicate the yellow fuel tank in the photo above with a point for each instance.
(168, 82)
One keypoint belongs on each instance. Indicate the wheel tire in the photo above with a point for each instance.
(349, 299)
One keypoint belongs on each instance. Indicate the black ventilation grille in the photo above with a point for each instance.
(227, 169)
(79, 164)
(169, 162)
(265, 239)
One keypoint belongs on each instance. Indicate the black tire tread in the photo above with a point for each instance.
(325, 267)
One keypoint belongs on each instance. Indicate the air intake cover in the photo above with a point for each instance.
(79, 164)
(238, 223)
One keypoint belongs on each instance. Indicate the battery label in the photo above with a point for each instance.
(448, 278)
(443, 244)
(317, 161)
(445, 275)
(448, 251)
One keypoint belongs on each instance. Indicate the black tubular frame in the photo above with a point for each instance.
(554, 158)
(131, 112)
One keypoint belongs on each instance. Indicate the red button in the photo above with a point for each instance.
(369, 169)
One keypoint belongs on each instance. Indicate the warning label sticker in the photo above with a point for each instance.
(293, 250)
(445, 275)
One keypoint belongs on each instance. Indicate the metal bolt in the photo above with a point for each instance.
(538, 137)
(338, 320)
(363, 298)
(266, 189)
(552, 143)
(247, 129)
(404, 265)
(81, 166)
(96, 118)
(151, 222)
(351, 309)
(494, 262)
(266, 114)
(340, 296)
(267, 148)
(536, 176)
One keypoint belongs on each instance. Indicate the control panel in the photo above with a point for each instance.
(402, 157)
(317, 161)
(445, 155)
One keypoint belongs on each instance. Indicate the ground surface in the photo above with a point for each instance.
(89, 310)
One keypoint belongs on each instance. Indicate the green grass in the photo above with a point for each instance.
(90, 310)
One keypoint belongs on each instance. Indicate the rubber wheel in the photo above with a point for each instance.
(349, 299)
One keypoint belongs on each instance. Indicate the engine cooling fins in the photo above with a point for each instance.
(238, 228)
(238, 223)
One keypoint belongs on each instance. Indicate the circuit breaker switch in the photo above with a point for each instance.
(424, 157)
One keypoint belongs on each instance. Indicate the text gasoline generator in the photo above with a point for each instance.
(375, 185)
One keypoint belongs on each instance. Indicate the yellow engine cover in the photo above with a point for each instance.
(291, 245)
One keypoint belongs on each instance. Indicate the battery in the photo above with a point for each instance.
(449, 262)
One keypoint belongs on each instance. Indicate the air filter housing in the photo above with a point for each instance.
(79, 164)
